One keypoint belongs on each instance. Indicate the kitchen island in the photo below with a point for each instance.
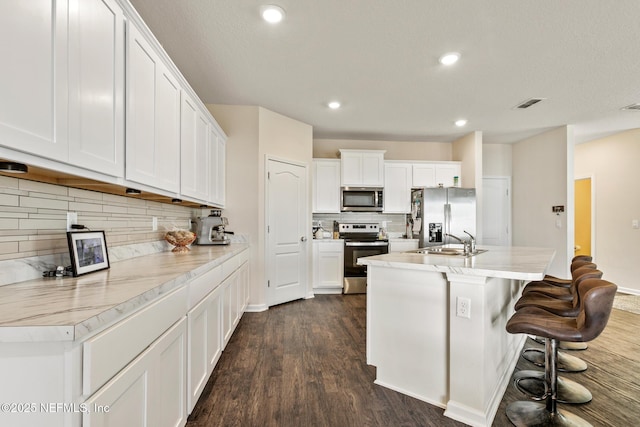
(436, 325)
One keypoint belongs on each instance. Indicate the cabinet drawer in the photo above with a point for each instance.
(230, 266)
(336, 246)
(111, 350)
(203, 284)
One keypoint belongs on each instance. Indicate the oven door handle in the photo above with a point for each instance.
(366, 243)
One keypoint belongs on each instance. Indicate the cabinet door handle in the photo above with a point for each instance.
(303, 239)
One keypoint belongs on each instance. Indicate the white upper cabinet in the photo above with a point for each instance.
(194, 150)
(432, 174)
(153, 117)
(397, 187)
(62, 81)
(96, 86)
(217, 153)
(326, 186)
(34, 77)
(362, 168)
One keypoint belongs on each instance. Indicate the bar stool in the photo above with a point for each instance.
(554, 286)
(596, 301)
(566, 363)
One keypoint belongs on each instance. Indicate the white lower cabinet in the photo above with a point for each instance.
(328, 266)
(204, 343)
(149, 391)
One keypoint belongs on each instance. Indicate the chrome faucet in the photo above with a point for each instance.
(472, 242)
(466, 245)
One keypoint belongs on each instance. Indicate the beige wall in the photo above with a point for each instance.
(253, 134)
(612, 163)
(496, 159)
(240, 123)
(542, 178)
(396, 150)
(468, 150)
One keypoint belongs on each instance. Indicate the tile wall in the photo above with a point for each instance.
(33, 219)
(396, 223)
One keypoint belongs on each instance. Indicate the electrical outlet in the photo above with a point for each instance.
(72, 219)
(463, 307)
(635, 224)
(154, 223)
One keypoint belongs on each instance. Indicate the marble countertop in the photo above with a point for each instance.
(508, 262)
(66, 309)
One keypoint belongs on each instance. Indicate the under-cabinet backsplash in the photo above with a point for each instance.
(396, 223)
(33, 219)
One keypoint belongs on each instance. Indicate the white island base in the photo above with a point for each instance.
(423, 349)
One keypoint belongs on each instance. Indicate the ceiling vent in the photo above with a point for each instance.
(528, 103)
(633, 107)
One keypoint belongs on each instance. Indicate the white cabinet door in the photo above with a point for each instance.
(204, 344)
(153, 117)
(424, 175)
(372, 169)
(326, 186)
(397, 187)
(150, 391)
(229, 307)
(351, 169)
(445, 174)
(194, 152)
(217, 153)
(362, 168)
(436, 173)
(328, 266)
(34, 77)
(96, 86)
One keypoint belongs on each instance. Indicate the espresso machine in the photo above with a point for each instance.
(210, 230)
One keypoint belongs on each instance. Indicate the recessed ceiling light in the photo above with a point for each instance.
(334, 105)
(449, 58)
(272, 13)
(461, 122)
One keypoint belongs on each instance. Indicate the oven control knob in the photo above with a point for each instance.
(303, 239)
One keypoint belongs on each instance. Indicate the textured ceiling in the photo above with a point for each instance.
(380, 59)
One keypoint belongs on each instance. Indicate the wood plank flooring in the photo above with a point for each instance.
(304, 364)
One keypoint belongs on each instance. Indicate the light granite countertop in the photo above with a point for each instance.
(69, 308)
(508, 262)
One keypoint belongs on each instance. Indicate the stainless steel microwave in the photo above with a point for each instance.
(361, 199)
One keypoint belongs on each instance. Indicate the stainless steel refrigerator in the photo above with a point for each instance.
(436, 212)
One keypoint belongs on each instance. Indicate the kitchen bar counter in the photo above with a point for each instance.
(436, 325)
(67, 309)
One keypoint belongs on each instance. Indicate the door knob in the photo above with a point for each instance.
(303, 239)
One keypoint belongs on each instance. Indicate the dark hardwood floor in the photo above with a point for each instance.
(304, 364)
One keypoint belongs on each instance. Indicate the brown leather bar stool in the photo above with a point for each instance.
(596, 300)
(577, 262)
(559, 292)
(566, 363)
(554, 283)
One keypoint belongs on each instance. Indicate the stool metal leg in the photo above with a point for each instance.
(545, 414)
(566, 362)
(532, 384)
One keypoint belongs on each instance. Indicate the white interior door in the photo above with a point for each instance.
(287, 212)
(496, 211)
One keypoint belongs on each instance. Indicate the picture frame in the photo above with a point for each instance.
(88, 251)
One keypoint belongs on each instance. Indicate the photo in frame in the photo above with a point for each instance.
(88, 251)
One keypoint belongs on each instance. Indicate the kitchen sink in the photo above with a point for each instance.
(441, 250)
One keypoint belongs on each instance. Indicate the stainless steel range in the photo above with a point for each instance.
(360, 240)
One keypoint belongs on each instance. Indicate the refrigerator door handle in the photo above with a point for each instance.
(447, 223)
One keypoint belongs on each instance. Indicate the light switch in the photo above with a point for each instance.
(635, 224)
(558, 223)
